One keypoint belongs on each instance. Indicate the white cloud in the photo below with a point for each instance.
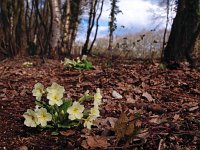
(135, 16)
(135, 13)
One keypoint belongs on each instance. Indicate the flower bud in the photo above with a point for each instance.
(56, 114)
(62, 112)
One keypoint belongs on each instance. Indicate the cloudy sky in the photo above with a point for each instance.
(137, 15)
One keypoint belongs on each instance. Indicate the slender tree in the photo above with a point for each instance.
(71, 19)
(112, 23)
(91, 22)
(56, 26)
(97, 27)
(76, 11)
(184, 32)
(66, 34)
(166, 26)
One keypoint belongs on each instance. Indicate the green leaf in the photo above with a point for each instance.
(69, 125)
(65, 105)
(64, 126)
(49, 126)
(54, 133)
(162, 66)
(39, 103)
(86, 113)
(84, 97)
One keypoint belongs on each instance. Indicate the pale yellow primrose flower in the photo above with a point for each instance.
(43, 116)
(97, 97)
(67, 62)
(36, 107)
(87, 93)
(27, 64)
(84, 57)
(95, 112)
(55, 94)
(75, 111)
(31, 119)
(78, 60)
(88, 122)
(38, 91)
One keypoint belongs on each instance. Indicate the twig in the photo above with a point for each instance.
(160, 144)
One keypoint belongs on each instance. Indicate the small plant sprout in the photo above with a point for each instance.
(52, 110)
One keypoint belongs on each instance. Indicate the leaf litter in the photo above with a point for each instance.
(157, 108)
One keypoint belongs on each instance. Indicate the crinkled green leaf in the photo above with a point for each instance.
(65, 106)
(54, 133)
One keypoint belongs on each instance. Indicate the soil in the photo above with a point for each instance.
(168, 102)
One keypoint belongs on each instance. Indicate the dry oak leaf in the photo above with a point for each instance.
(155, 119)
(130, 127)
(148, 97)
(97, 142)
(176, 117)
(67, 132)
(124, 126)
(144, 134)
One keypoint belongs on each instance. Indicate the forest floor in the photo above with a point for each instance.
(165, 105)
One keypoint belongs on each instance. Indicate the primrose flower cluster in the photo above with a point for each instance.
(27, 64)
(82, 63)
(55, 111)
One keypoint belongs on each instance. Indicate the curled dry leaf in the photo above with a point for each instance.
(124, 126)
(130, 128)
(143, 134)
(176, 117)
(95, 142)
(106, 123)
(129, 99)
(155, 119)
(120, 126)
(111, 121)
(193, 108)
(68, 132)
(148, 97)
(116, 95)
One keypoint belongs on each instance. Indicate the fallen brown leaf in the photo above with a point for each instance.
(148, 97)
(97, 142)
(67, 132)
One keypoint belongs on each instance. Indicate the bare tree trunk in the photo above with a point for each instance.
(97, 26)
(91, 21)
(67, 38)
(56, 23)
(184, 33)
(74, 21)
(165, 31)
(112, 23)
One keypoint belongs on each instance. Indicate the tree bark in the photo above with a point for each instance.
(67, 38)
(97, 27)
(56, 23)
(112, 23)
(184, 33)
(91, 21)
